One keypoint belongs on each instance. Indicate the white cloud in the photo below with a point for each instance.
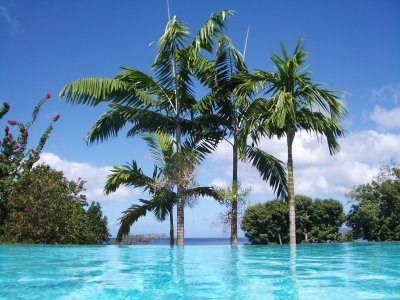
(9, 20)
(387, 118)
(95, 178)
(316, 171)
(387, 92)
(219, 182)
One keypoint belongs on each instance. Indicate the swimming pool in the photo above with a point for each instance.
(325, 271)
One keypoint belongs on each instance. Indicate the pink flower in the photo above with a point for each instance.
(12, 122)
(17, 152)
(33, 151)
(10, 135)
(56, 117)
(48, 95)
(26, 134)
(15, 147)
(6, 129)
(6, 105)
(26, 209)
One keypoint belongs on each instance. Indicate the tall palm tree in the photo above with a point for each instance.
(228, 111)
(293, 103)
(160, 187)
(161, 104)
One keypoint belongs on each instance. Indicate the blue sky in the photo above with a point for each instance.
(353, 45)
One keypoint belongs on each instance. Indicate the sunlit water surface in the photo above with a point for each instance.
(329, 271)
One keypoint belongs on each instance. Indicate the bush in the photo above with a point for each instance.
(317, 221)
(45, 208)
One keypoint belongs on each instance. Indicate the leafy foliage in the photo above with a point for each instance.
(45, 208)
(376, 214)
(317, 221)
(98, 229)
(15, 158)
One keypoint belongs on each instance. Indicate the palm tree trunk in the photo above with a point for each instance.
(290, 133)
(171, 227)
(234, 204)
(180, 205)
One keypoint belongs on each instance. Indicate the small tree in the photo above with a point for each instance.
(15, 158)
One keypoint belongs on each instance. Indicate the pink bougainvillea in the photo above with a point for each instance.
(26, 134)
(56, 117)
(48, 95)
(12, 122)
(6, 105)
(26, 209)
(6, 129)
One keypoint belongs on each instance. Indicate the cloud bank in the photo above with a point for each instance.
(95, 178)
(316, 172)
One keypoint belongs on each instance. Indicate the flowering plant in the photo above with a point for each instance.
(15, 158)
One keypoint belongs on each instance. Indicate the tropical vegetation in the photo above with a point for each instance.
(46, 208)
(238, 106)
(171, 169)
(164, 103)
(293, 102)
(317, 221)
(231, 110)
(16, 159)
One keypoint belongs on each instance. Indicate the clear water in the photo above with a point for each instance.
(330, 271)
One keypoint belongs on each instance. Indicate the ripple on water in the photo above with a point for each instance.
(334, 271)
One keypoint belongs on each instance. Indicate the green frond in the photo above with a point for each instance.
(320, 124)
(127, 175)
(203, 191)
(92, 91)
(270, 168)
(210, 31)
(130, 216)
(162, 203)
(161, 148)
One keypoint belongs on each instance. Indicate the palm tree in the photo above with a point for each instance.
(228, 111)
(160, 186)
(295, 103)
(161, 104)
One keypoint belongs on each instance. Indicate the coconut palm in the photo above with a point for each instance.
(292, 103)
(160, 186)
(161, 104)
(228, 111)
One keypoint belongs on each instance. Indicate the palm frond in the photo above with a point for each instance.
(203, 191)
(92, 91)
(130, 216)
(270, 168)
(210, 31)
(128, 175)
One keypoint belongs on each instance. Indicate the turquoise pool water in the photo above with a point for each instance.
(330, 271)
